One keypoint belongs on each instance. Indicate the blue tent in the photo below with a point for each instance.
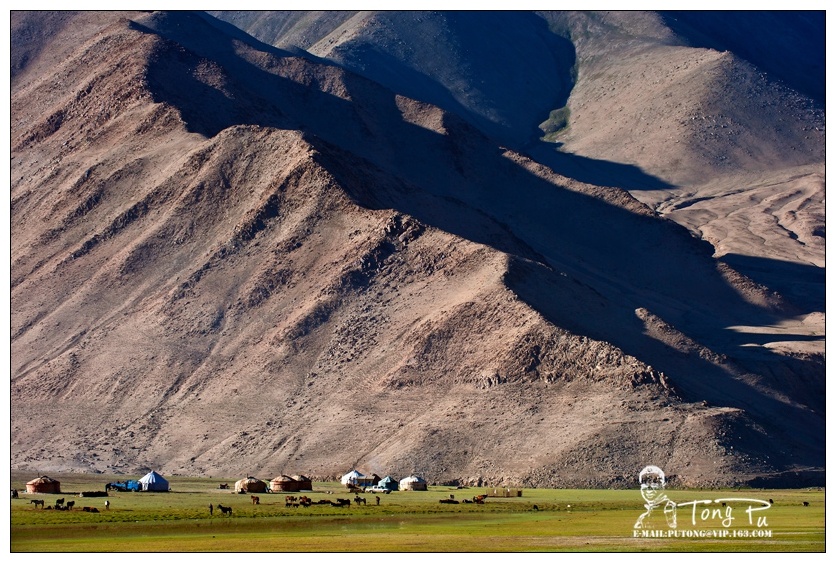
(154, 482)
(389, 483)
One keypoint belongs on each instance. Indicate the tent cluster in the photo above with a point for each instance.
(151, 482)
(283, 483)
(355, 478)
(295, 483)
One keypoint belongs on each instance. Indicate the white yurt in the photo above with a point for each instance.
(413, 483)
(352, 478)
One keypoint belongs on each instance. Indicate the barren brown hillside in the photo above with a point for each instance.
(229, 258)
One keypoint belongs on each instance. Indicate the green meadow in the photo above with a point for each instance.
(563, 520)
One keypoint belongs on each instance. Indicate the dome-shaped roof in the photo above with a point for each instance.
(413, 478)
(284, 478)
(43, 480)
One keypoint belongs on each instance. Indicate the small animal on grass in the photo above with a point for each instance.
(255, 500)
(225, 510)
(70, 504)
(805, 504)
(771, 501)
(211, 509)
(14, 494)
(90, 509)
(37, 502)
(59, 502)
(358, 500)
(378, 500)
(535, 507)
(107, 504)
(456, 502)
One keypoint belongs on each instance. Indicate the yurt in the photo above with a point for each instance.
(251, 485)
(352, 478)
(305, 483)
(413, 483)
(43, 485)
(284, 483)
(154, 482)
(389, 483)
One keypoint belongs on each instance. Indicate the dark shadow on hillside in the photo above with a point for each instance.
(789, 45)
(803, 285)
(584, 264)
(595, 172)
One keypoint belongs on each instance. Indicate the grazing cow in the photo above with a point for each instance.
(255, 500)
(70, 504)
(225, 510)
(60, 502)
(37, 502)
(805, 504)
(305, 501)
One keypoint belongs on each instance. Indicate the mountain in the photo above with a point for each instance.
(230, 256)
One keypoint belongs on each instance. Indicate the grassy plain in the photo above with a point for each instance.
(597, 520)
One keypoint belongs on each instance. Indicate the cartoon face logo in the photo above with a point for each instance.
(652, 483)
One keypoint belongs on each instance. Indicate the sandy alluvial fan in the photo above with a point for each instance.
(339, 252)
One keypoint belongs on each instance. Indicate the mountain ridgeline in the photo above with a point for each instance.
(299, 243)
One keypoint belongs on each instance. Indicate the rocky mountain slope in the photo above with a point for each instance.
(233, 258)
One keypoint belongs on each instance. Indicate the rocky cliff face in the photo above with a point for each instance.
(231, 258)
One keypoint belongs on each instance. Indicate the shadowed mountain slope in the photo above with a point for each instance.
(714, 119)
(227, 257)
